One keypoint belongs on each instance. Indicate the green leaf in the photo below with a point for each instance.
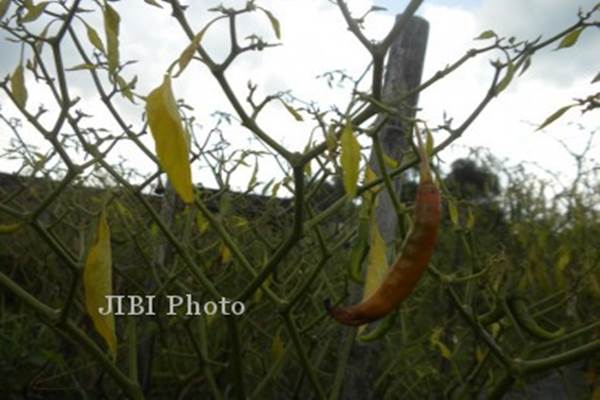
(556, 115)
(503, 84)
(453, 211)
(125, 87)
(97, 283)
(378, 8)
(570, 39)
(170, 138)
(429, 143)
(253, 178)
(111, 26)
(17, 85)
(470, 218)
(596, 78)
(153, 3)
(190, 50)
(486, 35)
(202, 223)
(526, 65)
(274, 23)
(275, 189)
(94, 38)
(34, 12)
(389, 161)
(4, 5)
(350, 159)
(563, 260)
(330, 139)
(277, 348)
(292, 111)
(80, 67)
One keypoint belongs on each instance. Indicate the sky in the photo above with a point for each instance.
(315, 40)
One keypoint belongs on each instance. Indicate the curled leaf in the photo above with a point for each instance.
(97, 283)
(503, 84)
(292, 111)
(170, 139)
(436, 341)
(274, 22)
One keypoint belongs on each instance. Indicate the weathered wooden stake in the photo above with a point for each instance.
(404, 70)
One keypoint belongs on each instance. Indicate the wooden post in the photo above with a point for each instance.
(404, 70)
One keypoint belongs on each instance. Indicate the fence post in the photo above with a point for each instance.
(404, 70)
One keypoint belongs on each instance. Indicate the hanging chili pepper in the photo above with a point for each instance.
(518, 306)
(406, 271)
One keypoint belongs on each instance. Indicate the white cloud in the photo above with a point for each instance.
(315, 40)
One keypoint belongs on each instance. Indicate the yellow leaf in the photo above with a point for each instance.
(9, 228)
(436, 341)
(389, 161)
(225, 254)
(378, 266)
(111, 26)
(350, 159)
(97, 283)
(170, 139)
(17, 85)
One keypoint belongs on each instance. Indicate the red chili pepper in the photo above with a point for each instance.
(406, 271)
